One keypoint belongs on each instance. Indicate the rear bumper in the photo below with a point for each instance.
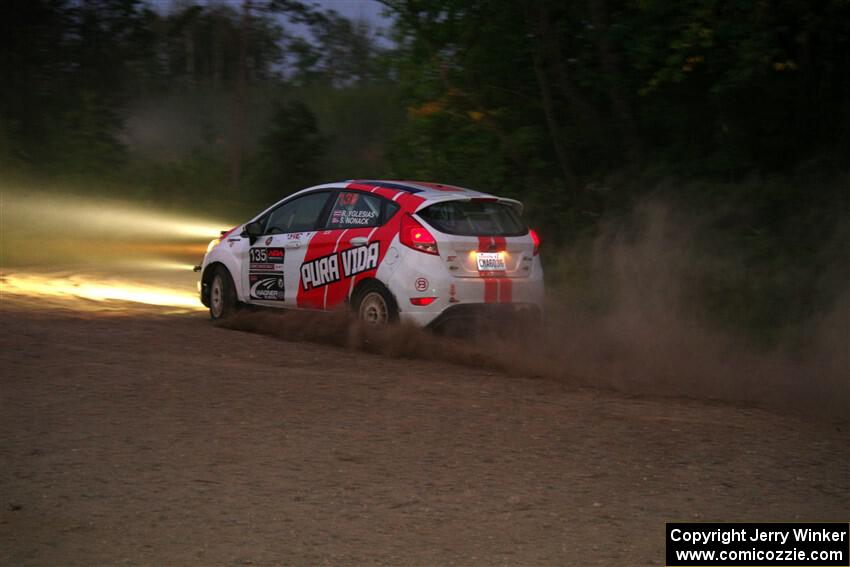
(462, 298)
(496, 315)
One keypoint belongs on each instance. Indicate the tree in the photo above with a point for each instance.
(339, 53)
(67, 69)
(290, 151)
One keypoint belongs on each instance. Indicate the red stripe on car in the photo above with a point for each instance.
(322, 244)
(497, 288)
(384, 234)
(491, 290)
(360, 186)
(386, 193)
(437, 186)
(506, 290)
(334, 293)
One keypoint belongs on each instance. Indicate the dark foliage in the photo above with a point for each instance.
(738, 111)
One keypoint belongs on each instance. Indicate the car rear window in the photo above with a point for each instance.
(474, 218)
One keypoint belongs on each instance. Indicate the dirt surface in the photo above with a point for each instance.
(156, 439)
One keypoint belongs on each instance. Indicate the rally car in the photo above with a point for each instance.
(393, 250)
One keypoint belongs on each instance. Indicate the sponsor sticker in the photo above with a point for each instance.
(320, 271)
(421, 284)
(332, 268)
(264, 267)
(360, 259)
(268, 287)
(266, 259)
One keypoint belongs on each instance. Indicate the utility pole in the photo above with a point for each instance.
(237, 133)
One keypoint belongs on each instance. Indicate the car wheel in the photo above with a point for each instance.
(374, 305)
(222, 295)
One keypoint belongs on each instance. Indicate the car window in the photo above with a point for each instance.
(474, 218)
(297, 215)
(355, 210)
(389, 210)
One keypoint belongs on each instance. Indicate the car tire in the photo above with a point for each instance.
(223, 302)
(374, 304)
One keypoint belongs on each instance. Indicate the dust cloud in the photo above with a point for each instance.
(628, 323)
(637, 324)
(623, 309)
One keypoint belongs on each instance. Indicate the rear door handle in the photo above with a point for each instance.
(359, 241)
(293, 244)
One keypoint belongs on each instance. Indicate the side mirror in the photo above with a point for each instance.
(253, 230)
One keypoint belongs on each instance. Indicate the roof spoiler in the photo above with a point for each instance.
(513, 203)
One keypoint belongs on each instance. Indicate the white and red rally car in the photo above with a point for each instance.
(419, 252)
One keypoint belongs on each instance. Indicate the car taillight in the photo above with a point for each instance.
(416, 236)
(422, 301)
(535, 239)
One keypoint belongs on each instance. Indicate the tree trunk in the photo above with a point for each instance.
(548, 103)
(238, 116)
(585, 116)
(623, 115)
(189, 41)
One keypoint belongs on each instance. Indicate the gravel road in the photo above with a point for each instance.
(147, 438)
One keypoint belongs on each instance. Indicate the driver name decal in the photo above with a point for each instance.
(343, 216)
